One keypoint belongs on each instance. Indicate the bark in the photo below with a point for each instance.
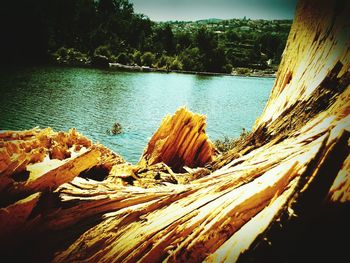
(280, 195)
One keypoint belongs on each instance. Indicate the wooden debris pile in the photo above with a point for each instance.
(281, 195)
(35, 162)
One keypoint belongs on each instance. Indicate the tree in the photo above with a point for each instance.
(103, 51)
(113, 22)
(140, 28)
(84, 24)
(183, 40)
(270, 45)
(192, 59)
(42, 27)
(164, 39)
(137, 57)
(232, 36)
(168, 39)
(176, 64)
(164, 62)
(228, 68)
(205, 40)
(123, 58)
(148, 59)
(216, 60)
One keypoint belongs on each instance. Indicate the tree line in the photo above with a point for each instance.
(73, 32)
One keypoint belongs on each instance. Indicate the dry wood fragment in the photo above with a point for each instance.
(14, 217)
(180, 141)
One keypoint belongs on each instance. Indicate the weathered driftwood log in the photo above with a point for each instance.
(281, 195)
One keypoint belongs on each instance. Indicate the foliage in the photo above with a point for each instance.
(242, 71)
(226, 144)
(137, 57)
(124, 58)
(70, 56)
(232, 36)
(112, 29)
(164, 62)
(192, 59)
(183, 41)
(164, 39)
(148, 59)
(228, 68)
(176, 64)
(103, 51)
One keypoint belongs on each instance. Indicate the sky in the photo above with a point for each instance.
(191, 10)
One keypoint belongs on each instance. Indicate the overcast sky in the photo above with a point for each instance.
(165, 10)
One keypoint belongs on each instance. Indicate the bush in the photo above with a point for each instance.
(70, 56)
(243, 71)
(164, 62)
(137, 57)
(124, 58)
(103, 51)
(113, 59)
(191, 59)
(62, 52)
(176, 65)
(148, 59)
(228, 68)
(226, 144)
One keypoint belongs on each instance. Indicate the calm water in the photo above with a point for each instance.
(92, 100)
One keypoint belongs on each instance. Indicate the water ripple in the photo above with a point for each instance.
(93, 100)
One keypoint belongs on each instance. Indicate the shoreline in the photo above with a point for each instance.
(125, 68)
(121, 67)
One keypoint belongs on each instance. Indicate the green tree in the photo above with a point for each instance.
(148, 59)
(205, 40)
(103, 50)
(164, 62)
(183, 40)
(113, 17)
(176, 64)
(124, 58)
(216, 60)
(84, 24)
(168, 40)
(164, 39)
(140, 29)
(192, 59)
(110, 27)
(270, 45)
(228, 68)
(137, 57)
(232, 36)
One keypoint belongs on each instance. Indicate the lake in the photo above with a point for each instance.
(93, 100)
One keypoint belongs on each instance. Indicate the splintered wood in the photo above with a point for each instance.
(254, 203)
(180, 141)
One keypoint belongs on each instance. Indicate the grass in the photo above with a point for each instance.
(226, 144)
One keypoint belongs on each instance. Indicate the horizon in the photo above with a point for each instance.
(221, 19)
(181, 10)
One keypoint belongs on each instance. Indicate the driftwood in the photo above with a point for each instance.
(281, 195)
